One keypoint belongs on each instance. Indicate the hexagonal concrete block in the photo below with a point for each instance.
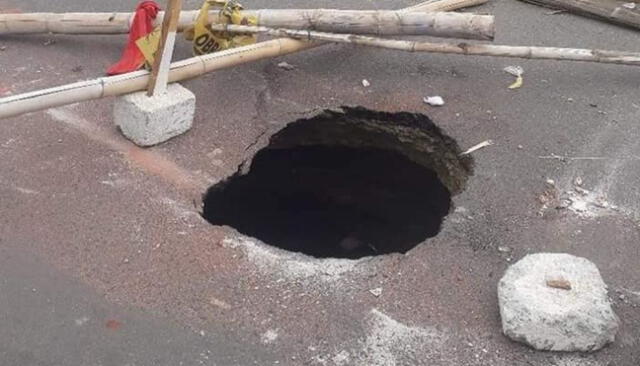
(149, 121)
(556, 302)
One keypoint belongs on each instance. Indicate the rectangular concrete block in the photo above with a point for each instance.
(149, 121)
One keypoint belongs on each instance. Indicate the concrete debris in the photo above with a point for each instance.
(390, 342)
(587, 203)
(629, 5)
(366, 83)
(286, 66)
(514, 70)
(81, 321)
(292, 265)
(269, 336)
(341, 359)
(549, 198)
(376, 291)
(581, 191)
(149, 121)
(546, 317)
(435, 101)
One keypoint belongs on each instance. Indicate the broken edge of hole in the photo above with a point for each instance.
(411, 135)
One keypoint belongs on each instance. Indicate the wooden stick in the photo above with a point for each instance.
(609, 10)
(162, 58)
(449, 5)
(378, 22)
(551, 53)
(136, 81)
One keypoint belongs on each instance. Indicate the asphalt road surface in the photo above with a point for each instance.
(105, 260)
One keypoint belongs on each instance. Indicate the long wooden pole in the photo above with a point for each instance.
(439, 5)
(136, 81)
(610, 10)
(378, 22)
(552, 53)
(162, 58)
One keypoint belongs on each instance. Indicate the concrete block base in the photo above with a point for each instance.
(149, 121)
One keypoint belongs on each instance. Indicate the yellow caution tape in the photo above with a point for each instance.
(206, 41)
(148, 45)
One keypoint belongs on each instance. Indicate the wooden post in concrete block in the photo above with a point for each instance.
(163, 112)
(162, 59)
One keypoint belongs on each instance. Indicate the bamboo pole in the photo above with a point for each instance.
(162, 58)
(528, 52)
(136, 81)
(439, 5)
(610, 10)
(378, 22)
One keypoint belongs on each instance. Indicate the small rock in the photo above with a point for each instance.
(570, 100)
(547, 319)
(286, 66)
(77, 69)
(49, 42)
(581, 191)
(577, 181)
(559, 283)
(2, 48)
(202, 333)
(520, 147)
(113, 324)
(376, 291)
(126, 260)
(81, 321)
(366, 83)
(504, 249)
(551, 182)
(629, 5)
(514, 70)
(435, 101)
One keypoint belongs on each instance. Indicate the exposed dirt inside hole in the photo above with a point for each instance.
(345, 184)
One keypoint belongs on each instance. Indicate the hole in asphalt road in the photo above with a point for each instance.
(346, 183)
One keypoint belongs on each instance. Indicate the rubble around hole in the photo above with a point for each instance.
(577, 199)
(292, 265)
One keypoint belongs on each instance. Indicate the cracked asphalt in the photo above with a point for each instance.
(105, 260)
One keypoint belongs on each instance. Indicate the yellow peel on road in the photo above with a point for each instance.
(517, 84)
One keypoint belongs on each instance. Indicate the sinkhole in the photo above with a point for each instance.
(346, 183)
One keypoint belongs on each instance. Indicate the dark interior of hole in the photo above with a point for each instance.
(332, 201)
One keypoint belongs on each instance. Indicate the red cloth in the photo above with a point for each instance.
(132, 59)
